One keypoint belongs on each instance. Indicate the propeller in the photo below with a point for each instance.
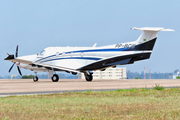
(10, 57)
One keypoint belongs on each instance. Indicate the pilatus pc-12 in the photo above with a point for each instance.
(88, 59)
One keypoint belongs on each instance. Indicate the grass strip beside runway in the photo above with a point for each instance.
(121, 104)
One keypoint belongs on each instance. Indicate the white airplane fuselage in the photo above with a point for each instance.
(74, 57)
(86, 59)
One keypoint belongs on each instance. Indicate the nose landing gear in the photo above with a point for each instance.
(35, 78)
(55, 77)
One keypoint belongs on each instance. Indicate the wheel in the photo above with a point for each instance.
(35, 78)
(89, 78)
(55, 78)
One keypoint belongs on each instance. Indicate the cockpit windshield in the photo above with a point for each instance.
(42, 52)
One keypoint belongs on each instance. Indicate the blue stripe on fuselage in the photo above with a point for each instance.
(84, 51)
(87, 58)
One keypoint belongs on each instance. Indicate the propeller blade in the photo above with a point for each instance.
(17, 51)
(19, 70)
(11, 67)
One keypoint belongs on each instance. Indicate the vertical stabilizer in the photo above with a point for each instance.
(146, 41)
(149, 33)
(148, 38)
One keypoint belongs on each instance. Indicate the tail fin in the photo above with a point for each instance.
(148, 38)
(146, 41)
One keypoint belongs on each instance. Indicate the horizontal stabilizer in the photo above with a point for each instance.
(151, 29)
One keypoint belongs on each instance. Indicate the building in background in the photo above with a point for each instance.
(175, 76)
(109, 73)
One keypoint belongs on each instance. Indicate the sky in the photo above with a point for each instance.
(37, 24)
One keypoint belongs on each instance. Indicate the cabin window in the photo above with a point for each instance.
(71, 54)
(63, 54)
(57, 54)
(82, 54)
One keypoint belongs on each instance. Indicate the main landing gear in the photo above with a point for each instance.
(55, 78)
(88, 77)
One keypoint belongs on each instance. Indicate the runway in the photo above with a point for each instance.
(46, 86)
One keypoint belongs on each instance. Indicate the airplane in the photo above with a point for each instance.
(88, 59)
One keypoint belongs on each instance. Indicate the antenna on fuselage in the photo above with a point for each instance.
(95, 45)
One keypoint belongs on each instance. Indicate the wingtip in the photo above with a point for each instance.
(168, 30)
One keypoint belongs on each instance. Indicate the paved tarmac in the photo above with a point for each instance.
(46, 86)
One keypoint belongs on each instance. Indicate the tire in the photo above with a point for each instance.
(89, 78)
(35, 79)
(55, 78)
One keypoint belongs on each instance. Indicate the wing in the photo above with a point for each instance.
(55, 68)
(113, 61)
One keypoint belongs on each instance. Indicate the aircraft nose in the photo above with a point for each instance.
(9, 57)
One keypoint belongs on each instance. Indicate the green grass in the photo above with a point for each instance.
(121, 104)
(157, 87)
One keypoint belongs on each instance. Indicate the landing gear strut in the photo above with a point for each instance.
(55, 78)
(35, 78)
(88, 77)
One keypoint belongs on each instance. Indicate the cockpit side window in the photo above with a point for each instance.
(42, 53)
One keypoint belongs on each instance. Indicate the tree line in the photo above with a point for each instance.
(155, 75)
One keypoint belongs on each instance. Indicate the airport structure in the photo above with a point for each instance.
(110, 73)
(175, 76)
